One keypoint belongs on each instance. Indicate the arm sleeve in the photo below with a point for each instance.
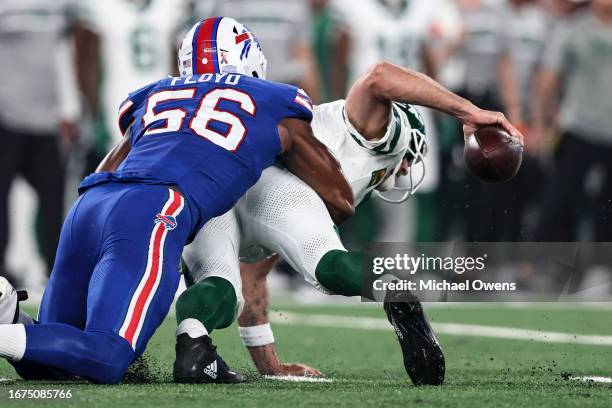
(299, 105)
(130, 105)
(126, 115)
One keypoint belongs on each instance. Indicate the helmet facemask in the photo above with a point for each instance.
(415, 154)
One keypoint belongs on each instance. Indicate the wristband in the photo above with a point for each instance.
(254, 336)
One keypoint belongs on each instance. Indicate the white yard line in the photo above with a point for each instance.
(452, 329)
(606, 380)
(293, 378)
(291, 301)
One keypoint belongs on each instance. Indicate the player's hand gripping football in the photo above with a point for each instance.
(478, 118)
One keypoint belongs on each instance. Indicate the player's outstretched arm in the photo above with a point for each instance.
(369, 101)
(310, 160)
(255, 315)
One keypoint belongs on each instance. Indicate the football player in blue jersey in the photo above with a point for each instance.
(193, 145)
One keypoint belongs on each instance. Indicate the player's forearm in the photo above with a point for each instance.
(255, 292)
(388, 82)
(255, 312)
(255, 331)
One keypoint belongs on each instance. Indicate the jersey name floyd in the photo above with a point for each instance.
(223, 78)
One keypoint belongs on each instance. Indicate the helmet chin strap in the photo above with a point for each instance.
(408, 191)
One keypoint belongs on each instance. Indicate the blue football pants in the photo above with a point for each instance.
(114, 279)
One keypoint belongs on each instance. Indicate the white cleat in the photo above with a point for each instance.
(9, 302)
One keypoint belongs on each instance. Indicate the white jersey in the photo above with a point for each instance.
(364, 164)
(282, 214)
(138, 41)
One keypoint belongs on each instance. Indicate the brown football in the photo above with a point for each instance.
(492, 155)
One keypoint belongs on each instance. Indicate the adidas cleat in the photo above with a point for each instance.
(423, 356)
(9, 301)
(197, 361)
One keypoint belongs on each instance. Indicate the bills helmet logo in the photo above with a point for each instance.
(247, 39)
(168, 221)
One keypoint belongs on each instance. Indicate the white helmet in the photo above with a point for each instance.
(415, 154)
(221, 45)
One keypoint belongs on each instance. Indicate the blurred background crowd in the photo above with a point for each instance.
(67, 64)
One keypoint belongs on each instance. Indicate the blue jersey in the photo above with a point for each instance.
(211, 135)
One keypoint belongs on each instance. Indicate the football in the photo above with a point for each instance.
(492, 155)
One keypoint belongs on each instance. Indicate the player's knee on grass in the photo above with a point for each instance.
(101, 357)
(111, 361)
(341, 272)
(212, 301)
(32, 371)
(117, 355)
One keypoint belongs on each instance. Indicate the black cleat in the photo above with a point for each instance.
(423, 356)
(197, 361)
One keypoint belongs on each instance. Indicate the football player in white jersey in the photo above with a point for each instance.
(377, 137)
(135, 43)
(407, 33)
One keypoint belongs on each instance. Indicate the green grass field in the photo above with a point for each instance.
(365, 365)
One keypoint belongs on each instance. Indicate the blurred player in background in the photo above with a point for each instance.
(330, 49)
(125, 44)
(284, 26)
(488, 81)
(36, 123)
(573, 94)
(528, 29)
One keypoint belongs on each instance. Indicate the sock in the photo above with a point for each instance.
(344, 274)
(194, 328)
(12, 341)
(212, 301)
